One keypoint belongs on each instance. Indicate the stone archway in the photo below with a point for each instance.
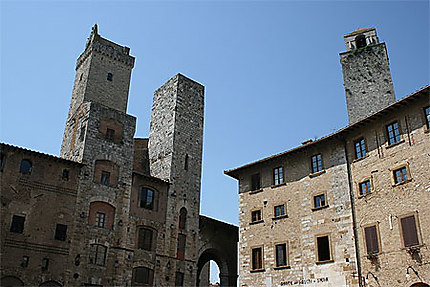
(420, 284)
(218, 242)
(11, 281)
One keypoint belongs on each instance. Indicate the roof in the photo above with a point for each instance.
(40, 154)
(358, 31)
(422, 92)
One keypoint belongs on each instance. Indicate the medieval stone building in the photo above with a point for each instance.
(352, 208)
(114, 210)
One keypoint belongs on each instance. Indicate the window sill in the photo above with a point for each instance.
(256, 222)
(280, 217)
(315, 174)
(402, 182)
(365, 195)
(426, 130)
(257, 270)
(282, 267)
(256, 191)
(319, 208)
(359, 159)
(277, 185)
(396, 143)
(324, 262)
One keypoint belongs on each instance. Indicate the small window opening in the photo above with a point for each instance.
(400, 175)
(323, 246)
(105, 177)
(82, 133)
(279, 210)
(360, 41)
(256, 216)
(25, 166)
(80, 78)
(186, 162)
(320, 201)
(316, 162)
(60, 232)
(393, 133)
(100, 219)
(17, 225)
(2, 161)
(147, 198)
(181, 247)
(65, 175)
(255, 181)
(45, 264)
(182, 218)
(109, 77)
(365, 187)
(24, 262)
(110, 133)
(144, 240)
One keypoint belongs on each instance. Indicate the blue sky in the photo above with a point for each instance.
(271, 69)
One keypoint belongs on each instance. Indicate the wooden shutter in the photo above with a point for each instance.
(371, 239)
(409, 229)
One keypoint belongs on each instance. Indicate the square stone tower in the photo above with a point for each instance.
(366, 74)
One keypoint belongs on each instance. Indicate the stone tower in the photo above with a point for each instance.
(366, 74)
(175, 154)
(99, 134)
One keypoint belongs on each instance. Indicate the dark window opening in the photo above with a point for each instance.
(427, 116)
(256, 215)
(105, 178)
(186, 162)
(100, 219)
(179, 279)
(255, 181)
(45, 264)
(316, 163)
(323, 246)
(65, 175)
(279, 210)
(365, 187)
(2, 161)
(82, 133)
(80, 77)
(98, 254)
(147, 198)
(278, 175)
(371, 236)
(393, 133)
(181, 247)
(409, 231)
(143, 275)
(109, 77)
(319, 201)
(61, 232)
(110, 133)
(25, 166)
(144, 240)
(17, 225)
(360, 148)
(182, 218)
(360, 41)
(281, 255)
(24, 262)
(400, 175)
(257, 260)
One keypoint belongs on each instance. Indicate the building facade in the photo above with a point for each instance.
(114, 210)
(349, 209)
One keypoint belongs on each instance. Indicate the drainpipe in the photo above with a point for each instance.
(354, 217)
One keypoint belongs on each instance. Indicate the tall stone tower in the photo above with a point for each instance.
(99, 134)
(366, 74)
(175, 154)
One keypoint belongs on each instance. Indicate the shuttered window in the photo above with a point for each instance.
(371, 235)
(257, 260)
(145, 239)
(409, 231)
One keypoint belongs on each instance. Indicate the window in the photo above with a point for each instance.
(320, 201)
(316, 163)
(143, 275)
(25, 166)
(256, 216)
(179, 279)
(82, 133)
(371, 237)
(360, 41)
(100, 219)
(393, 133)
(400, 175)
(360, 148)
(147, 198)
(98, 254)
(257, 259)
(24, 262)
(65, 175)
(144, 240)
(181, 246)
(182, 218)
(17, 225)
(61, 232)
(279, 210)
(409, 231)
(45, 264)
(105, 176)
(255, 181)
(323, 249)
(278, 175)
(186, 162)
(2, 161)
(427, 116)
(110, 133)
(281, 255)
(109, 77)
(365, 187)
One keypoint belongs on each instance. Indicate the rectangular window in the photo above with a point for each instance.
(320, 201)
(45, 264)
(146, 198)
(98, 254)
(316, 163)
(144, 240)
(110, 133)
(371, 237)
(278, 175)
(17, 225)
(143, 276)
(400, 175)
(360, 148)
(256, 216)
(257, 258)
(179, 279)
(279, 210)
(105, 177)
(409, 231)
(323, 248)
(2, 161)
(365, 187)
(100, 219)
(255, 181)
(181, 246)
(427, 116)
(61, 232)
(24, 262)
(109, 77)
(82, 133)
(65, 175)
(281, 255)
(393, 133)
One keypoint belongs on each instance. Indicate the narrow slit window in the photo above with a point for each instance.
(186, 162)
(180, 254)
(109, 77)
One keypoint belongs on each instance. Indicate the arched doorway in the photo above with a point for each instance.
(50, 284)
(202, 265)
(11, 281)
(420, 284)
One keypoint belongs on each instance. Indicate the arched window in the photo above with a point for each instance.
(360, 41)
(147, 198)
(101, 214)
(98, 254)
(182, 218)
(146, 238)
(25, 166)
(143, 276)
